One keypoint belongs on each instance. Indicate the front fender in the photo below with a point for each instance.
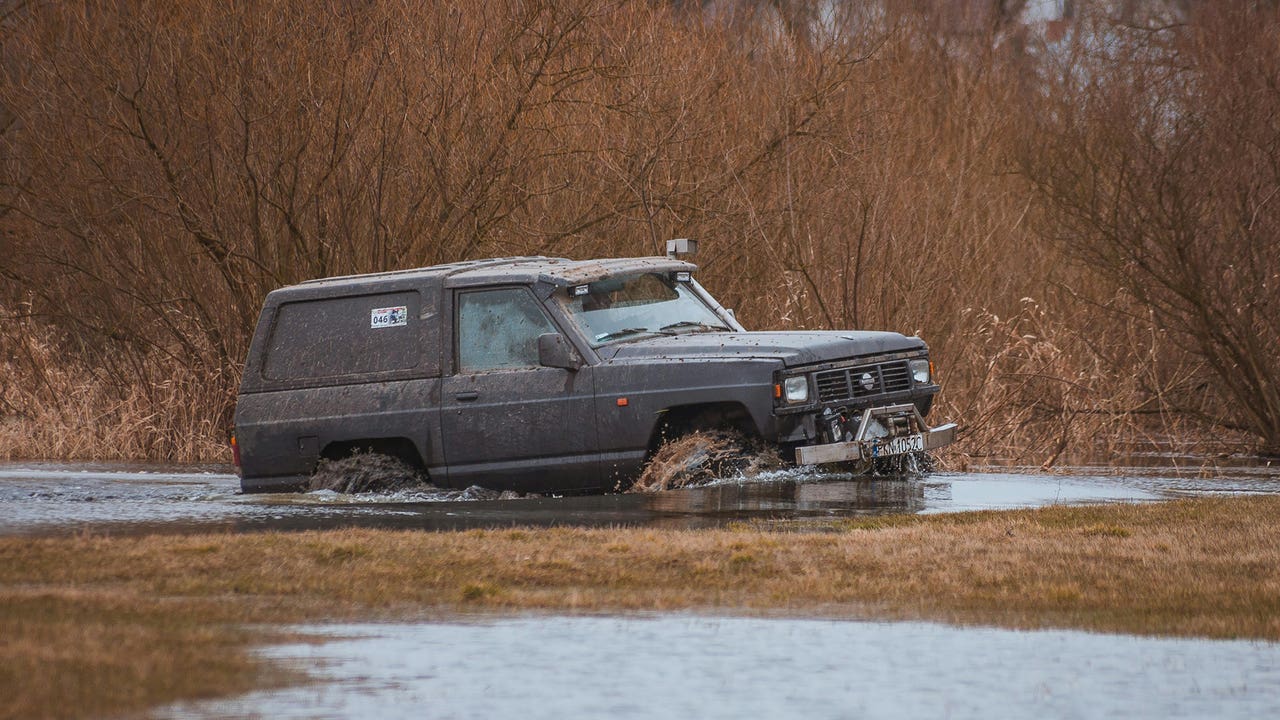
(633, 397)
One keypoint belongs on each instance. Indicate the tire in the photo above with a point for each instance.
(702, 456)
(366, 472)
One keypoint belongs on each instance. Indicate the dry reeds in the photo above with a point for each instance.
(57, 404)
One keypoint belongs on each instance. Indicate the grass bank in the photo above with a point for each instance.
(97, 625)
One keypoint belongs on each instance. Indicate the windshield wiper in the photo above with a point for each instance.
(693, 323)
(621, 333)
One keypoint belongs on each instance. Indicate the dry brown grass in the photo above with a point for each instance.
(118, 624)
(97, 653)
(56, 404)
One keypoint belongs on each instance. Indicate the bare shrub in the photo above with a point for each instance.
(1159, 168)
(162, 166)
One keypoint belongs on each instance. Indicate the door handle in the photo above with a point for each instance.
(467, 396)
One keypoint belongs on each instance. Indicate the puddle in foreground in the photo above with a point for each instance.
(683, 666)
(61, 498)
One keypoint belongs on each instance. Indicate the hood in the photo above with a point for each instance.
(791, 348)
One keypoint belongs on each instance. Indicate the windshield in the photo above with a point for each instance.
(624, 308)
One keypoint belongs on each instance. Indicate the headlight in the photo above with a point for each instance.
(920, 371)
(795, 389)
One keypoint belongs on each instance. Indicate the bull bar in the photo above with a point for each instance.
(862, 447)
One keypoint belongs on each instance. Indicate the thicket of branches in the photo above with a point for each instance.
(1162, 175)
(1083, 232)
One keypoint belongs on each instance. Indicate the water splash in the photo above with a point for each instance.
(706, 458)
(702, 458)
(367, 472)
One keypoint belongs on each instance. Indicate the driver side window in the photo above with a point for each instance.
(499, 329)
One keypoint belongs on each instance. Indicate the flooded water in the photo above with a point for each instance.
(41, 498)
(682, 665)
(698, 667)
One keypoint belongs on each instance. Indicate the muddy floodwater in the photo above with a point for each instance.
(698, 667)
(44, 498)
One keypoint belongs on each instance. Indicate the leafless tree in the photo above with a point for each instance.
(1161, 168)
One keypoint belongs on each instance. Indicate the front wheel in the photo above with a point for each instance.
(704, 456)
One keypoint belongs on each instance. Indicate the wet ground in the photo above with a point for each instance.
(681, 665)
(43, 498)
(686, 666)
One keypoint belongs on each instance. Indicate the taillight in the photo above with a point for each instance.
(235, 449)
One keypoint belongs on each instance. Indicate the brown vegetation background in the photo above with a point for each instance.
(1081, 218)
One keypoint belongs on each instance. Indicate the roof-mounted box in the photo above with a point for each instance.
(681, 246)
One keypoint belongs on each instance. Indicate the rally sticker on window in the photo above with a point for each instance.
(389, 317)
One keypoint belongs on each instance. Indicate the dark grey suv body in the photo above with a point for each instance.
(552, 375)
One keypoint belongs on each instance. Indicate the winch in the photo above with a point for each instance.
(871, 433)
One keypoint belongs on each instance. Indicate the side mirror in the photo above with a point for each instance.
(555, 351)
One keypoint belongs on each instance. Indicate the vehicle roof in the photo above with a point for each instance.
(515, 270)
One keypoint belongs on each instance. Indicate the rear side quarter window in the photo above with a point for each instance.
(343, 336)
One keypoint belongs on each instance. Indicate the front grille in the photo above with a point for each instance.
(862, 381)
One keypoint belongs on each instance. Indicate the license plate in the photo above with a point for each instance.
(900, 445)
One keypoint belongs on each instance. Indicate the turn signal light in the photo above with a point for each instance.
(235, 449)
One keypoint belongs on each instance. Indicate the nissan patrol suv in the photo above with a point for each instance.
(549, 375)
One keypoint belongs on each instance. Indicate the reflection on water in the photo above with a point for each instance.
(60, 498)
(695, 667)
(788, 497)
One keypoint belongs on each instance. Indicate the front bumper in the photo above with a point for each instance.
(874, 440)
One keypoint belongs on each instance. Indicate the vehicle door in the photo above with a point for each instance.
(508, 422)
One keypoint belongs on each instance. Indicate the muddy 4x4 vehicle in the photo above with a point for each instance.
(539, 374)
